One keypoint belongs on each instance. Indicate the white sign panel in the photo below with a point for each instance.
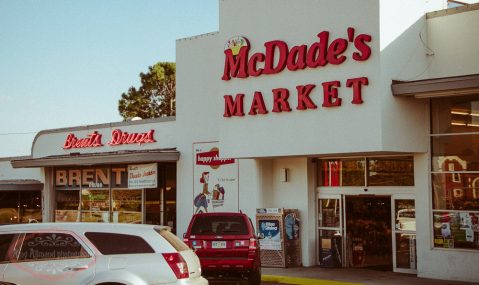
(215, 180)
(143, 176)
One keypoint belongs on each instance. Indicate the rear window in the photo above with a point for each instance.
(219, 225)
(50, 246)
(111, 243)
(178, 244)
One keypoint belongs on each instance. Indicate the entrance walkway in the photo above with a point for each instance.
(333, 276)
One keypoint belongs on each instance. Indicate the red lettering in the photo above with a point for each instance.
(234, 108)
(93, 140)
(278, 56)
(257, 106)
(317, 52)
(280, 100)
(364, 51)
(304, 101)
(337, 47)
(357, 83)
(149, 137)
(330, 93)
(235, 66)
(118, 138)
(69, 141)
(271, 48)
(252, 64)
(297, 58)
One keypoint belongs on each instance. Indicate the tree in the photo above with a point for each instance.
(156, 96)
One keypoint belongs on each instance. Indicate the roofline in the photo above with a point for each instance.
(100, 126)
(9, 158)
(198, 36)
(436, 87)
(452, 11)
(160, 155)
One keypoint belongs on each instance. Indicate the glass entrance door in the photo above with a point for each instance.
(404, 234)
(368, 231)
(330, 231)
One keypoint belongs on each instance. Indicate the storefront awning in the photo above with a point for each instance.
(116, 157)
(21, 185)
(437, 87)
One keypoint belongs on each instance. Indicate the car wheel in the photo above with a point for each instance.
(254, 277)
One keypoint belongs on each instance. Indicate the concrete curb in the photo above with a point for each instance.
(302, 281)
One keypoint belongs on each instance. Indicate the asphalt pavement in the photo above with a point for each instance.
(338, 276)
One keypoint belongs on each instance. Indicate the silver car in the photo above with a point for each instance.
(95, 253)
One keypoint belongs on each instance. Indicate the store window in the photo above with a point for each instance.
(20, 207)
(391, 171)
(111, 194)
(455, 171)
(367, 171)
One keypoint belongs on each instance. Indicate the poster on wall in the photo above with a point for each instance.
(143, 176)
(215, 180)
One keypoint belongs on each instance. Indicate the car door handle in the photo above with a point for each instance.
(76, 268)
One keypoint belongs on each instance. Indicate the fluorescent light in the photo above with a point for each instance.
(458, 124)
(459, 113)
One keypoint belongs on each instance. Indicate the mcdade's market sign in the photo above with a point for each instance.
(277, 56)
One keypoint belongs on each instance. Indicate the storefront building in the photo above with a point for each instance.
(360, 114)
(20, 194)
(119, 172)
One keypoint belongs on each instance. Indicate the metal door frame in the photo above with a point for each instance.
(341, 228)
(394, 231)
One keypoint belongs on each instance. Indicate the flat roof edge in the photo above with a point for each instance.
(452, 11)
(198, 36)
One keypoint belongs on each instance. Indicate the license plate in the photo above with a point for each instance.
(218, 244)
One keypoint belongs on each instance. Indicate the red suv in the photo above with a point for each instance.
(226, 245)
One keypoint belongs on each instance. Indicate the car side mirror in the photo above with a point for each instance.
(184, 234)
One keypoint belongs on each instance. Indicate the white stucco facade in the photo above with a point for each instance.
(406, 45)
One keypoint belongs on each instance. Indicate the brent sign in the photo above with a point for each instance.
(278, 56)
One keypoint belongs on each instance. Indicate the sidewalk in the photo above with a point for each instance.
(349, 276)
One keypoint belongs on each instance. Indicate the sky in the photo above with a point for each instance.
(66, 63)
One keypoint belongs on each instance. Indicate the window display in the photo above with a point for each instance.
(391, 171)
(126, 205)
(110, 194)
(381, 171)
(455, 171)
(20, 207)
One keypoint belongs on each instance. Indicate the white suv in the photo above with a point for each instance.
(95, 253)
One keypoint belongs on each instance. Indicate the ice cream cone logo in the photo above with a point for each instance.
(235, 44)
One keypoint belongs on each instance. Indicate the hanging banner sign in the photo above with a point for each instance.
(143, 176)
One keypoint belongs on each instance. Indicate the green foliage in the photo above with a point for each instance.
(156, 95)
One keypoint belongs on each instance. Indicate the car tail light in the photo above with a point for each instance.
(177, 264)
(253, 245)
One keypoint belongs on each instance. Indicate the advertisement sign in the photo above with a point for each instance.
(215, 185)
(270, 234)
(143, 176)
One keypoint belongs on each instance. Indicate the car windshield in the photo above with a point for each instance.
(219, 225)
